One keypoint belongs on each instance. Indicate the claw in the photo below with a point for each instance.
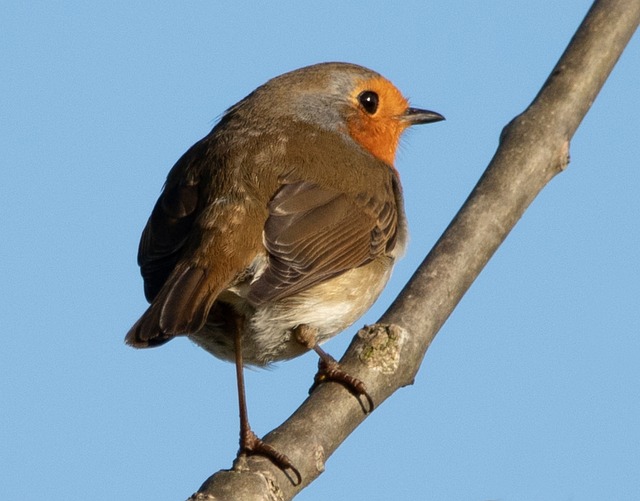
(251, 445)
(330, 370)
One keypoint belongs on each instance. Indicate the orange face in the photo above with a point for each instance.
(377, 123)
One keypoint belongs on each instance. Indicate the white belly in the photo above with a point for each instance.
(329, 308)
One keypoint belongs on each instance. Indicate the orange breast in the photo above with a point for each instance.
(380, 132)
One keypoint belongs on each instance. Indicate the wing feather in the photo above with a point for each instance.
(314, 233)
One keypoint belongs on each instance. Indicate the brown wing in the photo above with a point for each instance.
(314, 233)
(180, 293)
(164, 235)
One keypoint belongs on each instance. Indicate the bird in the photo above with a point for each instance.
(280, 228)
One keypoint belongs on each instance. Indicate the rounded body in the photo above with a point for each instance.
(288, 214)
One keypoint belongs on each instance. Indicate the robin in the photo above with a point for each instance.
(280, 228)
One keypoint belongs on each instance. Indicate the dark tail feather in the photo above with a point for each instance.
(146, 332)
(181, 307)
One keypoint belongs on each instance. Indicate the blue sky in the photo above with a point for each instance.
(530, 391)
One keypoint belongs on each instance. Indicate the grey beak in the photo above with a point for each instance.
(416, 116)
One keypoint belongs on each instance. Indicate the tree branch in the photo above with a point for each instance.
(534, 147)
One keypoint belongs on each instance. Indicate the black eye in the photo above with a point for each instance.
(369, 101)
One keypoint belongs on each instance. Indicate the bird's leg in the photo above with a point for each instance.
(250, 444)
(328, 367)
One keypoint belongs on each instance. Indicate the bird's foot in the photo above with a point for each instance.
(329, 370)
(251, 445)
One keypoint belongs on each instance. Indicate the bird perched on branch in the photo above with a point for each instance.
(280, 228)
